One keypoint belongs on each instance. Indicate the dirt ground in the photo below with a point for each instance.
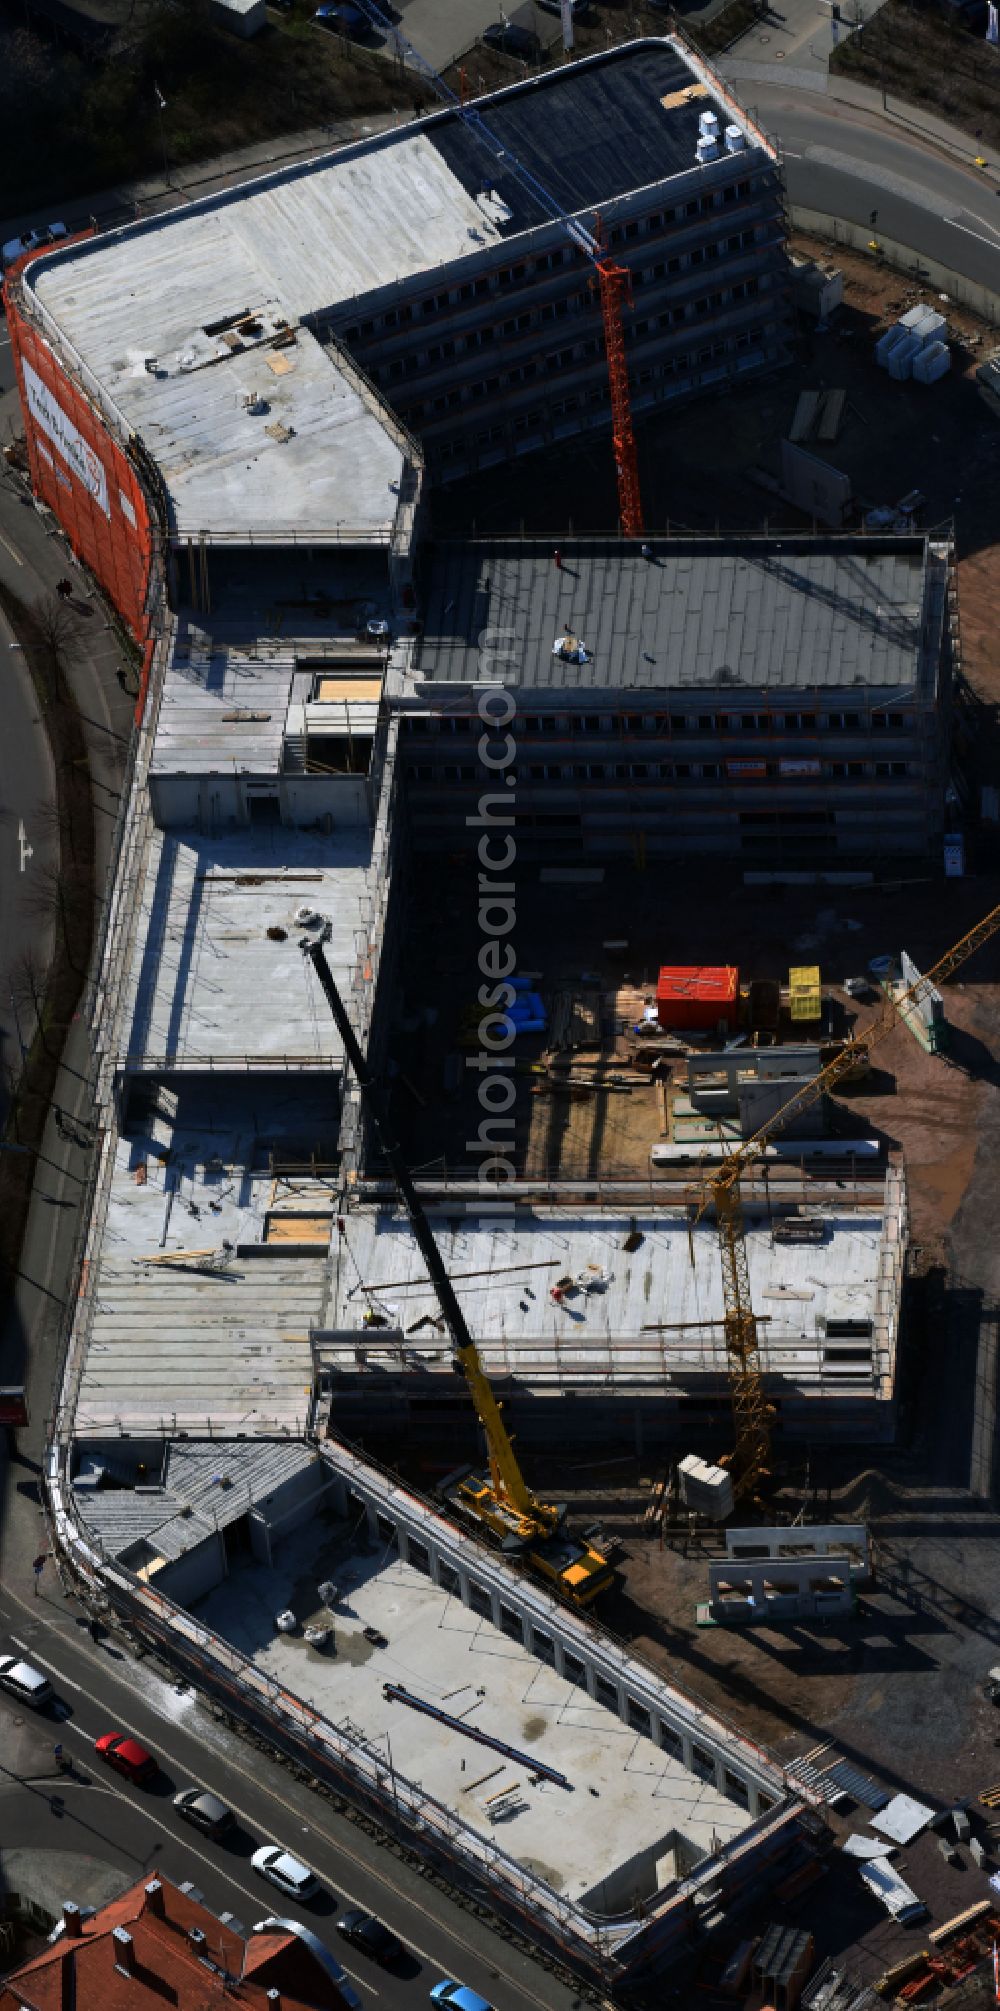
(761, 930)
(897, 1688)
(933, 58)
(698, 463)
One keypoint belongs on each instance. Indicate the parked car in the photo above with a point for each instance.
(32, 240)
(363, 1931)
(513, 41)
(28, 1685)
(127, 1757)
(205, 1811)
(347, 19)
(280, 1868)
(458, 1996)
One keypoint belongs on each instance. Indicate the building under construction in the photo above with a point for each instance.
(222, 411)
(765, 698)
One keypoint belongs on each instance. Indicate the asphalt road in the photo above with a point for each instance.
(846, 163)
(29, 849)
(838, 160)
(100, 1689)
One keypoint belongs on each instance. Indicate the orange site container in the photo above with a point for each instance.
(698, 995)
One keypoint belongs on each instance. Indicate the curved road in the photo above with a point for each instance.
(841, 160)
(28, 849)
(847, 162)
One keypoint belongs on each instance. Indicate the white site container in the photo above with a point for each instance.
(932, 363)
(901, 359)
(933, 328)
(706, 1489)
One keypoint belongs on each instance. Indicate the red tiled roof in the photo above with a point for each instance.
(168, 1971)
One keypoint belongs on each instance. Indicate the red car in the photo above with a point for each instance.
(127, 1757)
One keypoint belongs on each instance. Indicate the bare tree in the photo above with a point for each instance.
(28, 981)
(53, 621)
(55, 894)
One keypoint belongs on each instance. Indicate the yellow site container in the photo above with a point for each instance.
(805, 990)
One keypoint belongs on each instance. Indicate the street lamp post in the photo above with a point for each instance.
(161, 106)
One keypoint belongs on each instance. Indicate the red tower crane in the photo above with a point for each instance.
(614, 281)
(616, 287)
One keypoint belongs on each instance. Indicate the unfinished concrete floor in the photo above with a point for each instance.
(627, 1798)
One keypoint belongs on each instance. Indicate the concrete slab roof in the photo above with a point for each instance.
(198, 325)
(628, 1796)
(233, 690)
(503, 1276)
(207, 984)
(203, 1487)
(195, 1318)
(699, 615)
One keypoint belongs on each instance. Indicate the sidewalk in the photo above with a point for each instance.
(32, 558)
(743, 69)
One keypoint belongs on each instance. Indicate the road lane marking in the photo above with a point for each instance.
(25, 1650)
(991, 242)
(111, 1787)
(8, 547)
(379, 1877)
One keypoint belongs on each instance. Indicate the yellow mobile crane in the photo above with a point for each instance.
(751, 1457)
(501, 1503)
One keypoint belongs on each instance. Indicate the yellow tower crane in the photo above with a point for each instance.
(751, 1456)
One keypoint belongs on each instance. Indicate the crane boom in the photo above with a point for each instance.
(614, 280)
(508, 1506)
(751, 1412)
(842, 1063)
